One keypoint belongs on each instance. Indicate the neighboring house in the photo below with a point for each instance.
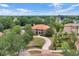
(40, 29)
(71, 27)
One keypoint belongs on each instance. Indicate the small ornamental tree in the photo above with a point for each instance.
(49, 32)
(16, 29)
(28, 29)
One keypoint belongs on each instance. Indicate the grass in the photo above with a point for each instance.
(36, 43)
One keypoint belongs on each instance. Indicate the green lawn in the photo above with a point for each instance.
(36, 43)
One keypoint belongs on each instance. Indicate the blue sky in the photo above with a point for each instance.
(39, 9)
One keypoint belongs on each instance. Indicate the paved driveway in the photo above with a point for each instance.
(47, 42)
(45, 47)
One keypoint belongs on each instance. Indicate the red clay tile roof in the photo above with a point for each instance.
(40, 27)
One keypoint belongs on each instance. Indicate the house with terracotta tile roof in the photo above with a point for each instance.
(71, 27)
(39, 28)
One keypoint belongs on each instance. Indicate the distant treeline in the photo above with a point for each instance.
(7, 22)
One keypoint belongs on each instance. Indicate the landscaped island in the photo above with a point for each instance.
(39, 35)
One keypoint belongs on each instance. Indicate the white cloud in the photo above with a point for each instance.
(70, 13)
(56, 5)
(68, 9)
(62, 13)
(23, 10)
(4, 5)
(15, 12)
(59, 9)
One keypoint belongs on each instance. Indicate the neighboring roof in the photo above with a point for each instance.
(70, 27)
(40, 27)
(1, 34)
(71, 24)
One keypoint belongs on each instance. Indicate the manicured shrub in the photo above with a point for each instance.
(49, 32)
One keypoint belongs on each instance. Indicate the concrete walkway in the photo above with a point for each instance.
(47, 42)
(45, 48)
